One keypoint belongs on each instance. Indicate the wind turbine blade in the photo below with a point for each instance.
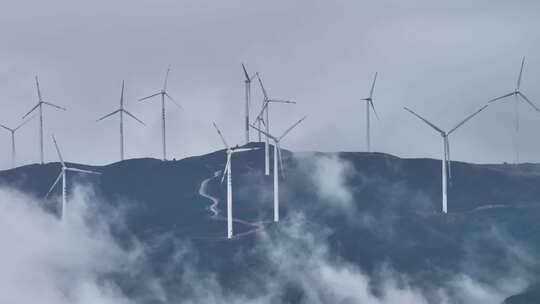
(281, 101)
(528, 101)
(467, 119)
(373, 86)
(133, 116)
(174, 101)
(262, 121)
(108, 115)
(82, 171)
(291, 127)
(122, 96)
(38, 89)
(54, 184)
(262, 87)
(259, 118)
(264, 132)
(244, 149)
(248, 79)
(226, 167)
(147, 97)
(221, 136)
(35, 107)
(9, 129)
(53, 105)
(281, 167)
(23, 123)
(58, 152)
(166, 78)
(424, 120)
(373, 107)
(501, 97)
(520, 73)
(260, 115)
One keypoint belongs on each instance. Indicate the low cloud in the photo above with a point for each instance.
(329, 174)
(46, 260)
(77, 261)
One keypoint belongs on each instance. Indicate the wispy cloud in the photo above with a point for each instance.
(80, 261)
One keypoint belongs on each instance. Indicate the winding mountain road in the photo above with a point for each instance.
(214, 210)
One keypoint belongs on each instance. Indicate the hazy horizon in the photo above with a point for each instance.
(442, 60)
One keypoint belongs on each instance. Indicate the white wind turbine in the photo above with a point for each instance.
(278, 158)
(260, 122)
(264, 118)
(121, 111)
(247, 82)
(63, 171)
(446, 151)
(228, 171)
(369, 104)
(163, 93)
(12, 131)
(517, 94)
(39, 105)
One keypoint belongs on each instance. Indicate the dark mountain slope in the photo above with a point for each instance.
(393, 216)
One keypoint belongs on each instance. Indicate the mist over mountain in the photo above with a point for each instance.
(354, 228)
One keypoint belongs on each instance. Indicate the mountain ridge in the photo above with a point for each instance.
(391, 204)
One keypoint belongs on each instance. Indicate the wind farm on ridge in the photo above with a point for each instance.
(259, 124)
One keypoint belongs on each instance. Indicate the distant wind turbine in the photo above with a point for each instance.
(122, 111)
(63, 171)
(12, 131)
(278, 158)
(369, 104)
(446, 151)
(247, 82)
(517, 95)
(163, 94)
(264, 115)
(228, 171)
(39, 105)
(260, 122)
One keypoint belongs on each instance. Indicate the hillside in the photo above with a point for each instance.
(369, 213)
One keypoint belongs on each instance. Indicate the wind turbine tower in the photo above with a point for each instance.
(39, 106)
(163, 93)
(517, 96)
(265, 119)
(445, 159)
(63, 172)
(247, 82)
(12, 131)
(278, 158)
(228, 172)
(369, 104)
(121, 111)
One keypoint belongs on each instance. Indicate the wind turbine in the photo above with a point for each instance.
(247, 82)
(446, 151)
(228, 171)
(260, 122)
(62, 175)
(39, 105)
(163, 93)
(264, 115)
(121, 111)
(12, 131)
(369, 103)
(277, 157)
(517, 95)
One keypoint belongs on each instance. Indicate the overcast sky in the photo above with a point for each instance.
(442, 59)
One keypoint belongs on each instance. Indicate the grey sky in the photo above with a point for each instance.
(444, 60)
